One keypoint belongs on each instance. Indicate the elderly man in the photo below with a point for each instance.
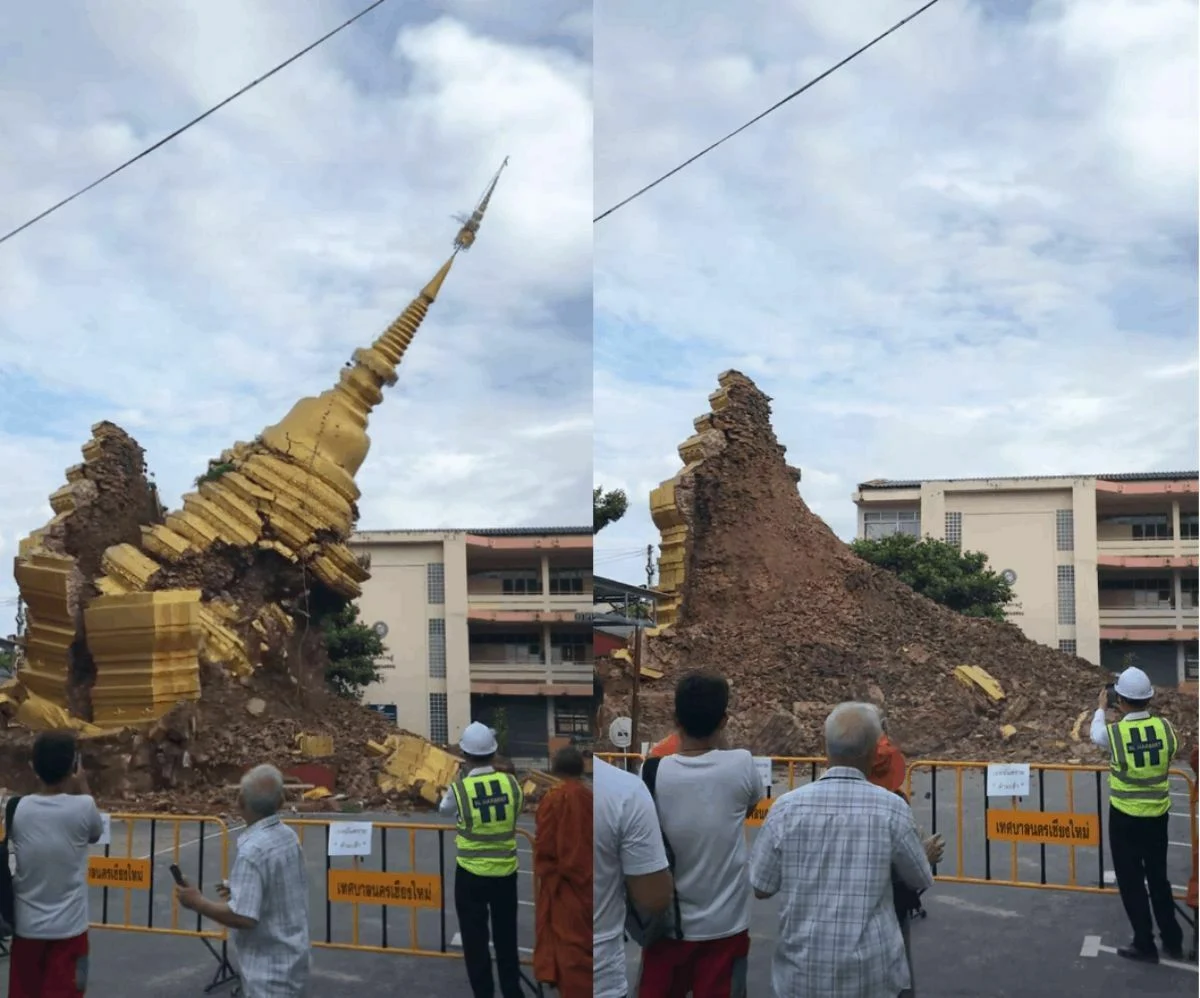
(266, 902)
(831, 847)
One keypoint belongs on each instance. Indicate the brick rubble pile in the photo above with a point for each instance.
(776, 602)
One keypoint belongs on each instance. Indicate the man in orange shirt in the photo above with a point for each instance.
(562, 862)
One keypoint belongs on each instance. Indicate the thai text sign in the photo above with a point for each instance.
(1044, 827)
(130, 874)
(759, 814)
(405, 890)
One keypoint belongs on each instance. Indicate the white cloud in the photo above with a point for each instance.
(197, 294)
(972, 251)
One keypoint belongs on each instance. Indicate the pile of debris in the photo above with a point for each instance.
(772, 599)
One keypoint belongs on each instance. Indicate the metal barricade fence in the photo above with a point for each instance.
(1059, 844)
(134, 858)
(391, 887)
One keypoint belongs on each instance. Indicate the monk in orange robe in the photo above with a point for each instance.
(889, 768)
(562, 863)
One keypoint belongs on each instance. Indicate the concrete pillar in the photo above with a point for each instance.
(1177, 592)
(546, 579)
(1180, 657)
(547, 655)
(933, 511)
(1087, 590)
(1175, 527)
(458, 644)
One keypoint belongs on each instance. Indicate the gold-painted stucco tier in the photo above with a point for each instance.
(672, 520)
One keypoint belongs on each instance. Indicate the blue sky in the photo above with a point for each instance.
(195, 296)
(970, 252)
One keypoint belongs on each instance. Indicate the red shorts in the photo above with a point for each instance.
(712, 968)
(48, 968)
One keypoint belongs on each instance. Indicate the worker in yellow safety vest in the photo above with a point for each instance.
(1140, 748)
(486, 804)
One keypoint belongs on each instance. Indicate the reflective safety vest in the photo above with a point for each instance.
(1140, 754)
(488, 807)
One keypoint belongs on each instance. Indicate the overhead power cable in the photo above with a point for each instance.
(195, 121)
(774, 107)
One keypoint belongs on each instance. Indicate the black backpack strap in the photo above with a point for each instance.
(650, 778)
(10, 812)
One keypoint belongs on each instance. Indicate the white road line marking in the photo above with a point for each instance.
(1162, 963)
(1180, 814)
(1182, 845)
(1091, 946)
(457, 941)
(979, 909)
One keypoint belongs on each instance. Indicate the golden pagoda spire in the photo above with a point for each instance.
(328, 433)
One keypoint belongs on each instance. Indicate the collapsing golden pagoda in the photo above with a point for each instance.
(116, 631)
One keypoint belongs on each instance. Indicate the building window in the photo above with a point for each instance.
(511, 649)
(1191, 662)
(570, 648)
(567, 581)
(521, 583)
(1136, 594)
(435, 583)
(1064, 529)
(879, 523)
(1190, 586)
(572, 718)
(1149, 527)
(1067, 645)
(1066, 595)
(437, 648)
(954, 529)
(1189, 526)
(439, 719)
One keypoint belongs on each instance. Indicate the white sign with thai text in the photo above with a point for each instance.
(763, 764)
(350, 838)
(1008, 779)
(106, 835)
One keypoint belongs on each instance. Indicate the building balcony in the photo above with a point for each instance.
(536, 678)
(536, 603)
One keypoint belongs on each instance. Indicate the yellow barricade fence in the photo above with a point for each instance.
(398, 883)
(130, 873)
(1051, 836)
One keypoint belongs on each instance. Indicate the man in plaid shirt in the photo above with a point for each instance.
(830, 848)
(266, 902)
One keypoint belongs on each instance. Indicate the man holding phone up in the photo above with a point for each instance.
(49, 837)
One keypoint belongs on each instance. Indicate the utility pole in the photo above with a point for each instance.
(649, 565)
(635, 745)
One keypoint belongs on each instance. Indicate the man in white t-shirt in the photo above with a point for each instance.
(50, 834)
(704, 794)
(627, 852)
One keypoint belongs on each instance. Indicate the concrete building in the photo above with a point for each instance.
(1103, 566)
(475, 621)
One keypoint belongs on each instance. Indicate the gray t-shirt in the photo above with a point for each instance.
(702, 804)
(50, 843)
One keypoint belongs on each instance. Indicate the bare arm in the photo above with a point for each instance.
(652, 892)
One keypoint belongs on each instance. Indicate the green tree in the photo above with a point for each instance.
(8, 661)
(607, 507)
(352, 647)
(959, 580)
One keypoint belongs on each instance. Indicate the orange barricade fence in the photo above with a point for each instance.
(386, 887)
(1042, 826)
(131, 887)
(629, 761)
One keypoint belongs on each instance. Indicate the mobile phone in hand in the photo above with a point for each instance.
(178, 875)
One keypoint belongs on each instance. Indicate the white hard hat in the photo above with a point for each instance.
(1133, 684)
(478, 739)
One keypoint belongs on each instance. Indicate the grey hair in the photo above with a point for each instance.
(852, 731)
(262, 790)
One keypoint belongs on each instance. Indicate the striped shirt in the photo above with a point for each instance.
(829, 849)
(269, 883)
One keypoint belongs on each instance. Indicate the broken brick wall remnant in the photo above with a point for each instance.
(766, 594)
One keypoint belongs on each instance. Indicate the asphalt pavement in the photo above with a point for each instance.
(161, 963)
